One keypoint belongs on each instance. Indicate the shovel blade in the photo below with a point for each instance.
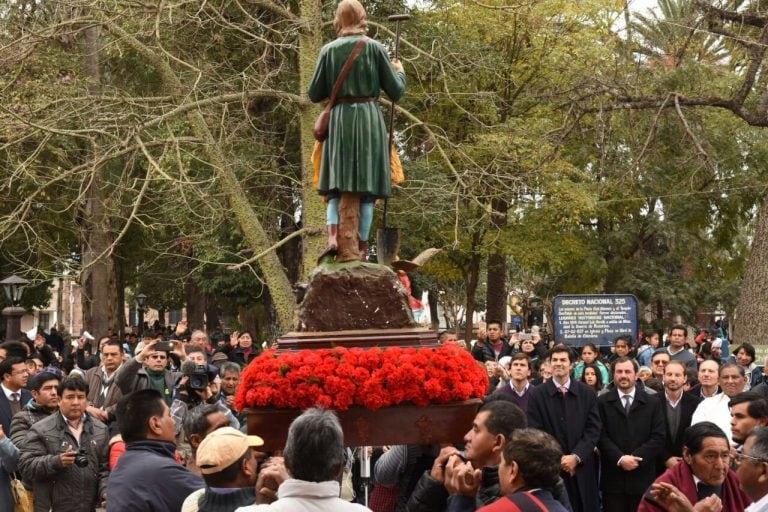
(387, 245)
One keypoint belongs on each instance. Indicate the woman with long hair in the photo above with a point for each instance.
(591, 377)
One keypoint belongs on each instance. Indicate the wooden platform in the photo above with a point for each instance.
(402, 424)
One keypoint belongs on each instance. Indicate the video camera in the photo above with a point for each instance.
(200, 375)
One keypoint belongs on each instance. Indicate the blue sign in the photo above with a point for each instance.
(598, 319)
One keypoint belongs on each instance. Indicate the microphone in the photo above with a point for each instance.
(188, 368)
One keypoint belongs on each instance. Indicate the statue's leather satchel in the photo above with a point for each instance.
(321, 125)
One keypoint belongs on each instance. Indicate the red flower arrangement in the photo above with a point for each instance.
(338, 378)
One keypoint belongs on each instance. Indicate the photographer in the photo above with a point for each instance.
(199, 384)
(147, 370)
(65, 454)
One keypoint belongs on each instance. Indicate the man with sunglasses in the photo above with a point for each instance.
(148, 370)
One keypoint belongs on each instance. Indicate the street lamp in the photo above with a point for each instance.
(14, 288)
(141, 301)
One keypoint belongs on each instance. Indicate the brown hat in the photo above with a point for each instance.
(219, 357)
(222, 448)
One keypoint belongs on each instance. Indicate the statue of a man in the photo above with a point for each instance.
(355, 156)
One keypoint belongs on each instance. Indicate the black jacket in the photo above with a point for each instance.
(641, 433)
(148, 479)
(673, 445)
(74, 488)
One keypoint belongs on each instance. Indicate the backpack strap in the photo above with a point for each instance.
(527, 501)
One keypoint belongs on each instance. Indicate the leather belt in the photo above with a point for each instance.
(356, 99)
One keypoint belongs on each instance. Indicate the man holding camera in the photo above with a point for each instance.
(148, 370)
(65, 455)
(199, 384)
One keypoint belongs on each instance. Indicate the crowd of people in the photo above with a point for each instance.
(150, 425)
(640, 423)
(62, 431)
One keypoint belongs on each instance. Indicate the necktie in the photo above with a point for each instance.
(15, 404)
(627, 403)
(563, 390)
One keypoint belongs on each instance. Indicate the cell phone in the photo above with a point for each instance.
(164, 346)
(524, 336)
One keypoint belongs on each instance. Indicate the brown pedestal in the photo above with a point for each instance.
(365, 338)
(353, 296)
(401, 424)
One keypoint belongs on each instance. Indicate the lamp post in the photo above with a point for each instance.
(14, 288)
(141, 301)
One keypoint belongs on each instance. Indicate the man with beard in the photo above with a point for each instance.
(633, 433)
(678, 412)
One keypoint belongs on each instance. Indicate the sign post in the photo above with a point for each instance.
(598, 319)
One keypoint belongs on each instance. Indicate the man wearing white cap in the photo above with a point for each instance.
(229, 465)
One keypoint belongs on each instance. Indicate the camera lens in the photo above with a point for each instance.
(81, 459)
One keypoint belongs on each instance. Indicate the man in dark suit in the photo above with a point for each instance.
(633, 434)
(678, 408)
(567, 409)
(14, 375)
(13, 379)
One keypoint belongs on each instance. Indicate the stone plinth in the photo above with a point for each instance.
(354, 296)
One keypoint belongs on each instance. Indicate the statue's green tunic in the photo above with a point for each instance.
(356, 154)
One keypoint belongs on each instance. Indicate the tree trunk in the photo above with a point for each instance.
(211, 314)
(313, 207)
(249, 320)
(751, 321)
(471, 276)
(496, 290)
(274, 274)
(195, 305)
(119, 297)
(98, 276)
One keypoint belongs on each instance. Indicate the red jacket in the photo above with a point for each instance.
(681, 476)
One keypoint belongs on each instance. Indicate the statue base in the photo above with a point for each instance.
(400, 424)
(352, 296)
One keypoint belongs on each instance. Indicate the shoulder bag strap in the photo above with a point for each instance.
(345, 71)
